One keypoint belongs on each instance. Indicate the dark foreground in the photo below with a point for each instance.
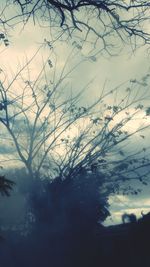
(65, 234)
(123, 245)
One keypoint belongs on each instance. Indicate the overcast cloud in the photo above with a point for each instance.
(114, 70)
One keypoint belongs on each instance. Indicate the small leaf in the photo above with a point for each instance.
(121, 153)
(2, 36)
(148, 111)
(50, 63)
(133, 81)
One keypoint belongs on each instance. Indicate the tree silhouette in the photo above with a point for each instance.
(58, 137)
(6, 186)
(76, 155)
(106, 25)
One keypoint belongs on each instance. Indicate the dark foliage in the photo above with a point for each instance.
(69, 211)
(6, 186)
(128, 218)
(76, 201)
(66, 232)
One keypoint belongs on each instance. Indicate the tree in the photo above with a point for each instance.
(104, 25)
(59, 137)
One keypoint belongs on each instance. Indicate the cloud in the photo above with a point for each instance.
(115, 70)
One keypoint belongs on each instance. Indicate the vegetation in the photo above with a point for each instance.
(76, 152)
(96, 26)
(58, 137)
(5, 186)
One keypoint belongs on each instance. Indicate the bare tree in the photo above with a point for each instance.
(105, 25)
(55, 136)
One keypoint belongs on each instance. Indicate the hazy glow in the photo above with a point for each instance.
(114, 71)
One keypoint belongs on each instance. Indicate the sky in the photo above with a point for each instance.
(110, 70)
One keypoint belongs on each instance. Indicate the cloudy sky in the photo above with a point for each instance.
(112, 71)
